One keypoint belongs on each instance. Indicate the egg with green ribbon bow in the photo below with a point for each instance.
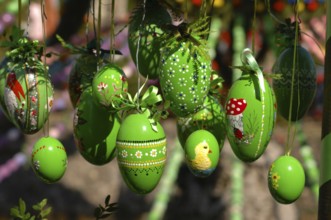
(49, 159)
(201, 153)
(95, 130)
(286, 179)
(251, 113)
(141, 152)
(211, 117)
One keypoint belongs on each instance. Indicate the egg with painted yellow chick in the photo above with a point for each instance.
(201, 153)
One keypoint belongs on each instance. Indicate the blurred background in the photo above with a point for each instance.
(235, 190)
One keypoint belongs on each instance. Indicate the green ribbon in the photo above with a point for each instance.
(248, 59)
(150, 97)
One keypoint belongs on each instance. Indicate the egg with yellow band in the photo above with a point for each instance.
(201, 153)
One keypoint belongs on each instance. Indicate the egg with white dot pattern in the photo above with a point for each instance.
(251, 115)
(184, 78)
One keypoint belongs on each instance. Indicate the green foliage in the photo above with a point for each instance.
(20, 211)
(21, 49)
(102, 212)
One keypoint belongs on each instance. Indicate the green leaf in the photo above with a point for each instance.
(22, 206)
(43, 203)
(14, 212)
(45, 212)
(107, 200)
(33, 218)
(97, 212)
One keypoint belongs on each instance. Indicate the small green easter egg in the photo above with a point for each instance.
(184, 78)
(95, 130)
(286, 179)
(108, 84)
(201, 153)
(211, 117)
(49, 159)
(251, 115)
(141, 153)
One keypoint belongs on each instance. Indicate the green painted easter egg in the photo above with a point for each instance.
(108, 84)
(27, 95)
(95, 130)
(141, 153)
(286, 179)
(184, 79)
(81, 76)
(145, 28)
(304, 84)
(251, 115)
(49, 159)
(211, 117)
(201, 153)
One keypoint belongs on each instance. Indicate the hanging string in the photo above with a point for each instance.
(112, 33)
(94, 18)
(186, 10)
(99, 32)
(19, 13)
(43, 18)
(271, 14)
(137, 52)
(254, 28)
(290, 142)
(87, 24)
(28, 22)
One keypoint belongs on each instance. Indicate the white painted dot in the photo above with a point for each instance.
(233, 106)
(228, 107)
(239, 103)
(231, 112)
(234, 99)
(244, 101)
(238, 109)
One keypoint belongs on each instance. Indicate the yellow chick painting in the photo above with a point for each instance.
(201, 160)
(202, 153)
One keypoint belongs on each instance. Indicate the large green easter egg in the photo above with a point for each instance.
(49, 159)
(146, 26)
(27, 95)
(201, 153)
(304, 84)
(286, 179)
(184, 78)
(211, 117)
(141, 153)
(251, 115)
(81, 76)
(95, 130)
(108, 84)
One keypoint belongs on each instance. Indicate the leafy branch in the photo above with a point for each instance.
(20, 211)
(106, 210)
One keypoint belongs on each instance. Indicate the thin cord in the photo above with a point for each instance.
(272, 15)
(254, 27)
(43, 17)
(288, 147)
(19, 13)
(28, 22)
(94, 18)
(112, 33)
(137, 52)
(87, 24)
(99, 29)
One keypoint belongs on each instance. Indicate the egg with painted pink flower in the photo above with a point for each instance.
(108, 84)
